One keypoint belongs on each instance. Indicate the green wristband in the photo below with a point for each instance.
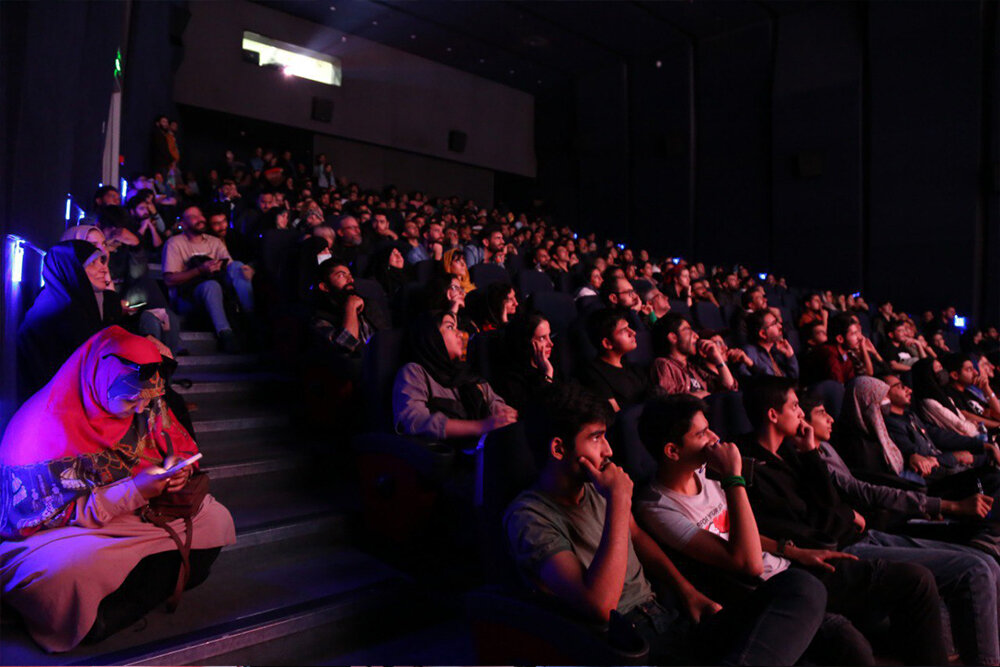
(733, 480)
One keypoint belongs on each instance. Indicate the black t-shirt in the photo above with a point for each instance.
(966, 400)
(627, 385)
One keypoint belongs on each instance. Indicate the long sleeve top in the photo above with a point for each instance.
(875, 496)
(762, 362)
(413, 389)
(914, 436)
(941, 416)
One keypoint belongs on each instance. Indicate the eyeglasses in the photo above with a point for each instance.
(146, 371)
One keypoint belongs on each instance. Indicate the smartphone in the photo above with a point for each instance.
(621, 246)
(959, 321)
(856, 295)
(137, 305)
(177, 467)
(762, 276)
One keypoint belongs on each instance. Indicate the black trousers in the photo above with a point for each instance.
(151, 582)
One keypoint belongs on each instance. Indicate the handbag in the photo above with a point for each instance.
(184, 503)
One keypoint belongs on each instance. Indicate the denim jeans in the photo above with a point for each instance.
(773, 625)
(150, 325)
(209, 296)
(968, 580)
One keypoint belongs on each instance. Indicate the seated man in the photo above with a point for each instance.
(729, 293)
(573, 537)
(610, 376)
(431, 244)
(978, 598)
(655, 305)
(338, 317)
(194, 263)
(617, 292)
(768, 349)
(489, 249)
(984, 407)
(712, 523)
(899, 347)
(240, 248)
(934, 455)
(813, 310)
(349, 242)
(844, 356)
(794, 498)
(686, 365)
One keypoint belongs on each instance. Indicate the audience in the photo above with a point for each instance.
(844, 355)
(573, 537)
(934, 404)
(610, 376)
(686, 365)
(768, 350)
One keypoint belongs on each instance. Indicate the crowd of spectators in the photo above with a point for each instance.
(505, 314)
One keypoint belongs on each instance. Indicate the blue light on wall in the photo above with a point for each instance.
(15, 257)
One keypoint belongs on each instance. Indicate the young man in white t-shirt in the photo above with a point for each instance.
(712, 523)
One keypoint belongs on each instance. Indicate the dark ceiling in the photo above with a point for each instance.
(533, 46)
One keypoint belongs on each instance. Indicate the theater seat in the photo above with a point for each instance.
(629, 452)
(588, 304)
(376, 302)
(382, 358)
(423, 271)
(832, 394)
(531, 282)
(708, 317)
(558, 308)
(485, 353)
(727, 417)
(678, 306)
(484, 275)
(641, 286)
(642, 355)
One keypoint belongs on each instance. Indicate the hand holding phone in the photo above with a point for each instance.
(176, 468)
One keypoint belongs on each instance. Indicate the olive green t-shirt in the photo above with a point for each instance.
(538, 527)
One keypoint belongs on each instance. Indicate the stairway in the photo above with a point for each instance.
(293, 588)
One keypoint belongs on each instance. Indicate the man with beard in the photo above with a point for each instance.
(338, 318)
(195, 266)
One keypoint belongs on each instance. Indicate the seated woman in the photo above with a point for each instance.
(498, 307)
(156, 318)
(929, 381)
(592, 285)
(865, 443)
(387, 267)
(528, 372)
(77, 301)
(453, 262)
(436, 396)
(77, 463)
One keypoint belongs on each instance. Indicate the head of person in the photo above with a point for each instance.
(897, 331)
(900, 395)
(525, 333)
(113, 217)
(228, 189)
(89, 233)
(107, 195)
(501, 301)
(193, 221)
(453, 261)
(813, 302)
(929, 380)
(816, 415)
(218, 222)
(815, 333)
(845, 331)
(335, 276)
(594, 278)
(772, 403)
(433, 232)
(961, 371)
(570, 424)
(349, 231)
(675, 431)
(75, 269)
(163, 123)
(755, 299)
(672, 334)
(275, 217)
(542, 258)
(492, 239)
(265, 202)
(682, 277)
(938, 342)
(763, 327)
(657, 300)
(610, 332)
(885, 308)
(619, 293)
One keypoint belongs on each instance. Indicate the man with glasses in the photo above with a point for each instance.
(768, 349)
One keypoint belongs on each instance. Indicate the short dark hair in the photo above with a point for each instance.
(216, 208)
(601, 324)
(103, 190)
(953, 362)
(748, 295)
(562, 413)
(809, 401)
(112, 216)
(666, 419)
(668, 324)
(766, 393)
(839, 324)
(755, 323)
(327, 267)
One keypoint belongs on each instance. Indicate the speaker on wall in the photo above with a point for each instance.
(322, 109)
(456, 141)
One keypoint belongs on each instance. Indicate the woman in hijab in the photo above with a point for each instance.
(929, 381)
(77, 462)
(156, 318)
(453, 261)
(529, 371)
(387, 267)
(436, 396)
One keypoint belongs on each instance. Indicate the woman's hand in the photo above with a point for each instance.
(542, 362)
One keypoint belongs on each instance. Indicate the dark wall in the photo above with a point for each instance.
(844, 145)
(926, 92)
(59, 85)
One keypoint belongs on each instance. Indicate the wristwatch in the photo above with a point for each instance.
(783, 544)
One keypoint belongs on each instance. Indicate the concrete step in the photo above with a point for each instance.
(199, 342)
(217, 361)
(238, 607)
(236, 418)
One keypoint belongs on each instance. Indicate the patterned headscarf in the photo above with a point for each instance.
(863, 410)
